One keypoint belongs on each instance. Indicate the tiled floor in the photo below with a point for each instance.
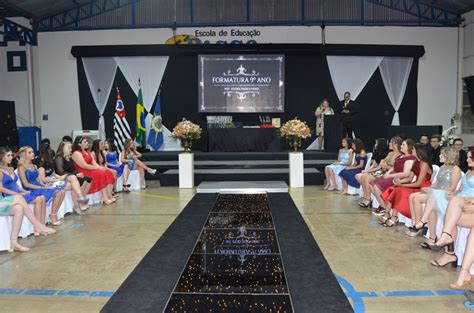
(94, 254)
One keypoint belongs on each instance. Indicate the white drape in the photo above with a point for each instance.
(351, 73)
(150, 71)
(395, 72)
(100, 73)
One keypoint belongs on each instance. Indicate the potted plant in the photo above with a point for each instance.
(186, 131)
(293, 131)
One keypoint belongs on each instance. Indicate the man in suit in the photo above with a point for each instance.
(347, 109)
(435, 142)
(458, 145)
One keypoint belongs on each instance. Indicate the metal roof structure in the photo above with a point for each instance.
(60, 15)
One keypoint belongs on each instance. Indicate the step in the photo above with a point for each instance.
(311, 175)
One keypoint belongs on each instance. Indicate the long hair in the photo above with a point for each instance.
(112, 146)
(471, 151)
(97, 151)
(359, 146)
(349, 142)
(451, 155)
(3, 152)
(22, 155)
(127, 145)
(77, 141)
(44, 155)
(62, 146)
(422, 153)
(410, 145)
(397, 142)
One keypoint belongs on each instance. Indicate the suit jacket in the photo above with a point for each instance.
(351, 106)
(463, 160)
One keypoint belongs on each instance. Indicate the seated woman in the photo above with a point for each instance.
(45, 160)
(465, 278)
(17, 207)
(102, 179)
(457, 213)
(396, 197)
(112, 159)
(130, 156)
(401, 170)
(98, 153)
(9, 187)
(380, 166)
(63, 165)
(349, 173)
(435, 197)
(28, 173)
(344, 159)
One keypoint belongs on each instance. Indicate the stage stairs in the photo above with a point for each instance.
(238, 166)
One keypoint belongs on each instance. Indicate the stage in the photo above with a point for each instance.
(238, 166)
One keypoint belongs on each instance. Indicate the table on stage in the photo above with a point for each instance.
(242, 140)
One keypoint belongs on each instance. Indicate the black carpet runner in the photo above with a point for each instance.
(254, 253)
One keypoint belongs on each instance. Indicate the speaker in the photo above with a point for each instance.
(8, 129)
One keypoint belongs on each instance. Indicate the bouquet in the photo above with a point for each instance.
(186, 131)
(293, 131)
(448, 135)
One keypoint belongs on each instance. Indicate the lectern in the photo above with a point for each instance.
(332, 132)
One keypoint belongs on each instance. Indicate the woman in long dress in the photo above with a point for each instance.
(348, 174)
(321, 110)
(344, 159)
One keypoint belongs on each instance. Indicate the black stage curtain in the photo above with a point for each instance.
(307, 80)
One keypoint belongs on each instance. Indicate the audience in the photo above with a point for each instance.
(378, 169)
(130, 156)
(458, 145)
(348, 174)
(344, 159)
(113, 163)
(436, 197)
(435, 149)
(102, 179)
(28, 173)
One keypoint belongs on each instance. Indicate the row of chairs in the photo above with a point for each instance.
(66, 208)
(462, 235)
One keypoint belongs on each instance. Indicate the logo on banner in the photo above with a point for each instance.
(206, 37)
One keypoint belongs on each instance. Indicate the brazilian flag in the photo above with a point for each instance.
(140, 135)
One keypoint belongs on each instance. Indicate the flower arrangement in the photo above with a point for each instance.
(293, 131)
(448, 135)
(186, 131)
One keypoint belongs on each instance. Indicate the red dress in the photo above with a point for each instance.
(398, 196)
(385, 183)
(100, 178)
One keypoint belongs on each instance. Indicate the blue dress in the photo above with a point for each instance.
(345, 156)
(349, 175)
(466, 191)
(10, 183)
(112, 158)
(130, 164)
(32, 178)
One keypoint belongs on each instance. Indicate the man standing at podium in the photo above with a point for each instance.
(347, 109)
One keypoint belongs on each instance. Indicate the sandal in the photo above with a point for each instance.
(391, 222)
(57, 222)
(413, 231)
(426, 245)
(450, 245)
(364, 204)
(453, 263)
(126, 188)
(465, 284)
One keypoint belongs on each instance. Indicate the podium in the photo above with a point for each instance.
(332, 132)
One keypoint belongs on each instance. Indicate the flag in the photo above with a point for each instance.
(140, 135)
(155, 137)
(121, 127)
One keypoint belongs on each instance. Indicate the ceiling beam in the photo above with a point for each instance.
(17, 11)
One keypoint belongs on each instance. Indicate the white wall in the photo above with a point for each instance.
(58, 86)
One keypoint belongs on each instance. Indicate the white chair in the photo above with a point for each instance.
(338, 178)
(5, 232)
(133, 180)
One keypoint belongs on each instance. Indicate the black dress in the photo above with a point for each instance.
(63, 166)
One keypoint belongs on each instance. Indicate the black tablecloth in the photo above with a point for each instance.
(242, 140)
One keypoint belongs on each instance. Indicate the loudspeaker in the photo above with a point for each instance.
(8, 129)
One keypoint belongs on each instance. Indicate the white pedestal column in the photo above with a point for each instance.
(296, 169)
(186, 170)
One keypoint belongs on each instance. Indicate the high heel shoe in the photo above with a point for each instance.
(15, 246)
(454, 263)
(391, 222)
(126, 188)
(426, 245)
(465, 284)
(57, 223)
(362, 204)
(413, 231)
(450, 245)
(79, 212)
(152, 172)
(107, 202)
